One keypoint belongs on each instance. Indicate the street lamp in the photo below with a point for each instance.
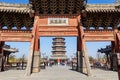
(71, 57)
(43, 56)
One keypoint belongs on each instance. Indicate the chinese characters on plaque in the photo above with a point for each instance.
(57, 21)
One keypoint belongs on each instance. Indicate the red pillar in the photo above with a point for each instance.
(117, 50)
(112, 62)
(118, 64)
(33, 59)
(36, 55)
(82, 53)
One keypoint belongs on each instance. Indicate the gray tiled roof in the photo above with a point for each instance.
(102, 7)
(18, 8)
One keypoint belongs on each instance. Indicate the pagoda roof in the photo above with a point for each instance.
(55, 39)
(58, 46)
(59, 56)
(58, 50)
(56, 58)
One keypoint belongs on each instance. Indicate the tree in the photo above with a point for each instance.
(91, 59)
(12, 58)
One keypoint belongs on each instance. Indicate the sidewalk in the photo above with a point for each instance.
(58, 73)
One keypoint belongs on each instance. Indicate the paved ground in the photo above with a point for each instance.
(58, 73)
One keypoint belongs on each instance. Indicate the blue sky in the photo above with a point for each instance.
(46, 42)
(27, 1)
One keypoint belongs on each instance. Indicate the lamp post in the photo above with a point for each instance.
(74, 55)
(71, 57)
(98, 56)
(43, 54)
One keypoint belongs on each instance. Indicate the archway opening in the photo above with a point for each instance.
(16, 55)
(58, 50)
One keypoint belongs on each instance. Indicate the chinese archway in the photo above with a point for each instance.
(87, 22)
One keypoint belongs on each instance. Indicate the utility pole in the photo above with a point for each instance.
(44, 57)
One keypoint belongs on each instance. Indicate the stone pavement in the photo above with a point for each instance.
(58, 73)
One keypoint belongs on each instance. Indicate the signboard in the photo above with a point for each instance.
(57, 21)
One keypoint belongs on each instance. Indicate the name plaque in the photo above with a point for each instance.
(57, 21)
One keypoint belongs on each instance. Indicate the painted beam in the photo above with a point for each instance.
(23, 36)
(56, 33)
(18, 36)
(99, 36)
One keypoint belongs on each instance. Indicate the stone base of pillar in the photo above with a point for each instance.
(0, 61)
(35, 70)
(79, 69)
(82, 70)
(81, 65)
(84, 67)
(36, 62)
(78, 61)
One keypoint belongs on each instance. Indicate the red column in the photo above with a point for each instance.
(112, 55)
(36, 54)
(84, 60)
(118, 64)
(33, 59)
(117, 50)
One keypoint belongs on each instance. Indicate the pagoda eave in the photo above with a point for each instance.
(58, 51)
(56, 58)
(58, 46)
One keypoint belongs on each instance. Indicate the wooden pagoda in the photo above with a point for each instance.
(58, 53)
(87, 22)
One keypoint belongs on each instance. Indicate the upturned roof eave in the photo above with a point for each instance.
(10, 50)
(17, 8)
(102, 8)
